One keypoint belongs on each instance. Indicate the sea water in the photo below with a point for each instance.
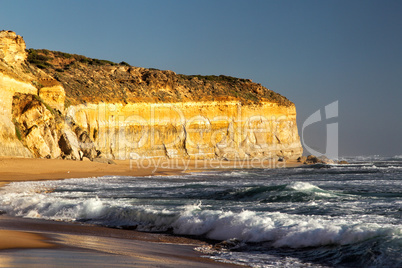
(319, 215)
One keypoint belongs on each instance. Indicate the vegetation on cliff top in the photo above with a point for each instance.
(93, 80)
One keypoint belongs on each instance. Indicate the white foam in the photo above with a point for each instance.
(280, 229)
(283, 230)
(302, 186)
(255, 259)
(236, 174)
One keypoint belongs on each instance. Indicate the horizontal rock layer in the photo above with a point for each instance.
(191, 129)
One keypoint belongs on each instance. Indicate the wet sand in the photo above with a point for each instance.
(30, 242)
(49, 243)
(17, 239)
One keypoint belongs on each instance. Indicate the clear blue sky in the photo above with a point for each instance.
(313, 52)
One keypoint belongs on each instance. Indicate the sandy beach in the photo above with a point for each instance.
(36, 242)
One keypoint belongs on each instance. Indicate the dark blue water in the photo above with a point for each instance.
(323, 215)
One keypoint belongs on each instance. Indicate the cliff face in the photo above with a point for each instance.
(62, 105)
(190, 129)
(12, 53)
(12, 48)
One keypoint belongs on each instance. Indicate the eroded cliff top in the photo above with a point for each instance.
(13, 59)
(92, 80)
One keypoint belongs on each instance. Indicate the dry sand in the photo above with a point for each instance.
(30, 169)
(71, 244)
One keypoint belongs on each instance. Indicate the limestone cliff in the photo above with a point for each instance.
(56, 104)
(190, 129)
(12, 53)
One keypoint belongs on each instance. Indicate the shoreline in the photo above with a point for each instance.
(49, 241)
(34, 169)
(54, 238)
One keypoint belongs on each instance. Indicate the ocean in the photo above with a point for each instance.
(308, 216)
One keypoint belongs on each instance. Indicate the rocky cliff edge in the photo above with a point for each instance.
(60, 105)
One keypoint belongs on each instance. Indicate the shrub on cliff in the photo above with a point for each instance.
(39, 60)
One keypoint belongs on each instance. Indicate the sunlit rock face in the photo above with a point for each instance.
(12, 47)
(52, 94)
(58, 105)
(12, 54)
(38, 126)
(198, 130)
